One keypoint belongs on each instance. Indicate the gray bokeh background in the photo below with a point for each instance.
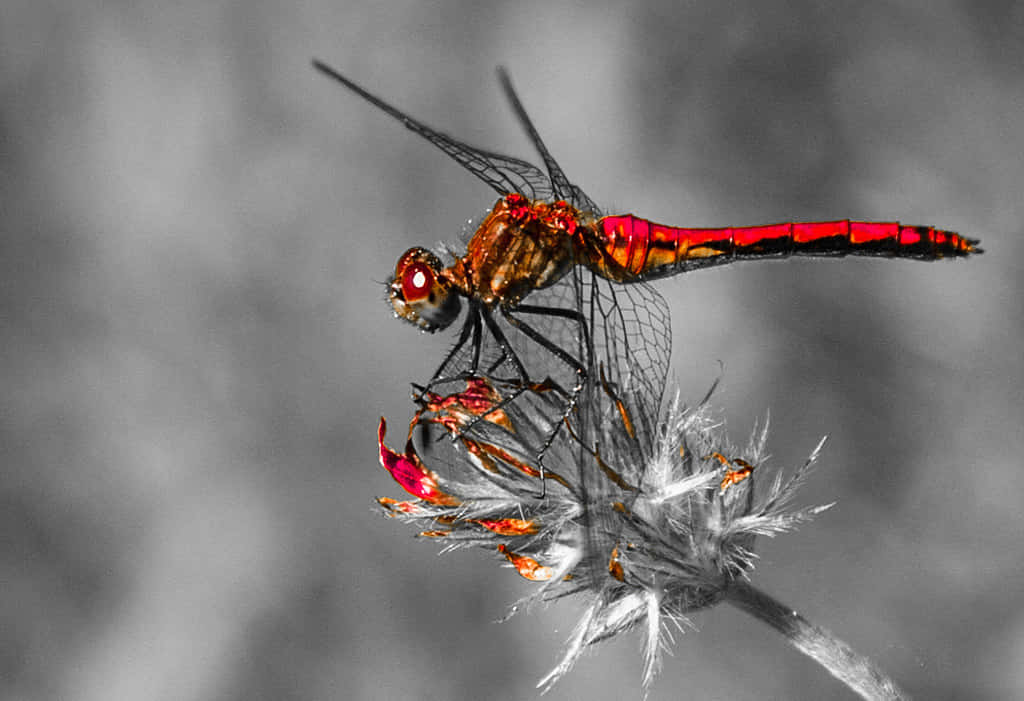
(196, 355)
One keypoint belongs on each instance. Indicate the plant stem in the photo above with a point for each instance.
(845, 664)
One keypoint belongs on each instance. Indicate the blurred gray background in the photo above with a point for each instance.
(196, 352)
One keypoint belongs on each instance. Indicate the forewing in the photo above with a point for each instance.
(562, 187)
(504, 174)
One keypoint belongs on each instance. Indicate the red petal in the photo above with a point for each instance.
(410, 472)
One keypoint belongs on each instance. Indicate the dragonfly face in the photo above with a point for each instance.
(421, 294)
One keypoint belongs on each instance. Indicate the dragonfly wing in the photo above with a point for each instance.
(619, 411)
(632, 338)
(504, 174)
(562, 187)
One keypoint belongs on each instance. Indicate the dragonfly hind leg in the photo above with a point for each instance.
(574, 363)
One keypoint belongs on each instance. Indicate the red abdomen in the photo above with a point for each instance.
(632, 247)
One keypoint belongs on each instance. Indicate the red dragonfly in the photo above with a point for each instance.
(585, 274)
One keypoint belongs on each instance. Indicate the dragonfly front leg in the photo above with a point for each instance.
(522, 381)
(471, 328)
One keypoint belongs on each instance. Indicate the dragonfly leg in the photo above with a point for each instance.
(570, 314)
(537, 388)
(561, 354)
(522, 383)
(579, 368)
(507, 352)
(470, 333)
(471, 328)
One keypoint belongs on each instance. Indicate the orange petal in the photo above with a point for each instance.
(736, 476)
(478, 456)
(395, 506)
(509, 459)
(527, 566)
(719, 457)
(627, 422)
(509, 526)
(615, 567)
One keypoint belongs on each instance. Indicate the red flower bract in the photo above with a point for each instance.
(410, 472)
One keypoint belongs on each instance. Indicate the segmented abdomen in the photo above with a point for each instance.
(633, 247)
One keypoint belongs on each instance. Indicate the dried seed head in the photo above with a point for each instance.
(646, 533)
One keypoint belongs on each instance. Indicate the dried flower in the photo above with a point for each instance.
(647, 533)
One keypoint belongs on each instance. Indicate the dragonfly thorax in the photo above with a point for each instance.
(521, 246)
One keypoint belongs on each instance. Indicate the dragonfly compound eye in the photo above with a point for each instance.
(420, 293)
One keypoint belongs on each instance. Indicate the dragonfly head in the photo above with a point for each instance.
(420, 293)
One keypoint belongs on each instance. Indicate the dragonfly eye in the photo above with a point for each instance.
(419, 292)
(417, 282)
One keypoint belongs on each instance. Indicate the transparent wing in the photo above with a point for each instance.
(503, 173)
(632, 337)
(613, 429)
(562, 187)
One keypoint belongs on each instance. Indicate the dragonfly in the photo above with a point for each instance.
(558, 293)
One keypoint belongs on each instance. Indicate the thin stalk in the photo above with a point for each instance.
(845, 664)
